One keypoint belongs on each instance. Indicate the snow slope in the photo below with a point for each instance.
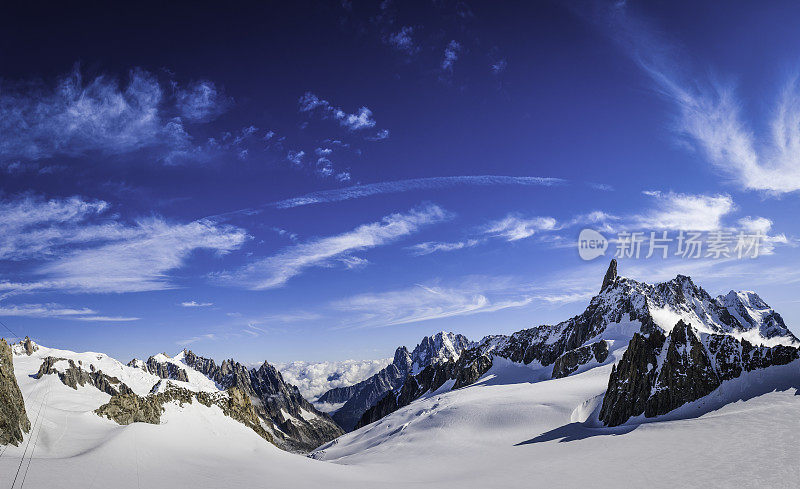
(194, 446)
(514, 428)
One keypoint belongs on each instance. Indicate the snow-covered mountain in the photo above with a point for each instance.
(139, 390)
(354, 400)
(501, 412)
(623, 308)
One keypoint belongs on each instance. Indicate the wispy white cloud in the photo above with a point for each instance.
(450, 55)
(361, 119)
(196, 304)
(141, 261)
(195, 339)
(57, 311)
(433, 183)
(514, 228)
(429, 247)
(296, 157)
(34, 227)
(709, 112)
(78, 115)
(379, 136)
(276, 270)
(201, 101)
(107, 319)
(685, 211)
(403, 40)
(429, 302)
(81, 250)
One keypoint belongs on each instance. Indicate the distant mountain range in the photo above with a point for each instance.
(671, 343)
(356, 399)
(714, 338)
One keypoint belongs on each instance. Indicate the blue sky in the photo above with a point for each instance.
(331, 180)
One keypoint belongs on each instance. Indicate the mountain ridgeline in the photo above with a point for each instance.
(259, 398)
(358, 398)
(300, 427)
(704, 341)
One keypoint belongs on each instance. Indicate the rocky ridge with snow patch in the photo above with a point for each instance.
(13, 418)
(623, 309)
(440, 348)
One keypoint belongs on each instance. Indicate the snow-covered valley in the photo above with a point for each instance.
(503, 431)
(686, 405)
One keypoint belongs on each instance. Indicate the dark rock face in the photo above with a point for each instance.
(304, 429)
(570, 361)
(29, 346)
(13, 418)
(658, 373)
(74, 376)
(431, 378)
(439, 348)
(632, 380)
(611, 275)
(470, 367)
(166, 370)
(624, 301)
(129, 408)
(368, 392)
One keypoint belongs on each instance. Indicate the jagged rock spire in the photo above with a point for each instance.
(611, 274)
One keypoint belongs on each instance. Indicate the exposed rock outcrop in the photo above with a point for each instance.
(166, 370)
(611, 275)
(467, 369)
(73, 376)
(29, 346)
(570, 361)
(130, 408)
(431, 378)
(360, 397)
(13, 418)
(435, 349)
(637, 309)
(659, 373)
(160, 368)
(293, 422)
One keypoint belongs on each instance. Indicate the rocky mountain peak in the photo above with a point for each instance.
(611, 275)
(24, 347)
(402, 359)
(437, 348)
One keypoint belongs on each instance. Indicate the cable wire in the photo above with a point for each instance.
(35, 424)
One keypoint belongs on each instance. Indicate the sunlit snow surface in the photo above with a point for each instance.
(514, 428)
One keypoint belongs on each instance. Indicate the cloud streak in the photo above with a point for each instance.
(57, 311)
(276, 270)
(429, 302)
(80, 249)
(399, 186)
(709, 113)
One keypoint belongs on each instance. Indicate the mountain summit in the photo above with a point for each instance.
(624, 310)
(354, 400)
